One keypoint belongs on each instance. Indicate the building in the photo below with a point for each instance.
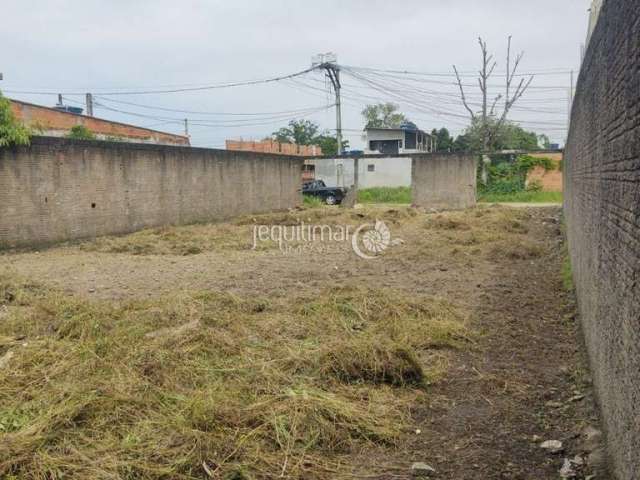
(406, 139)
(372, 172)
(271, 146)
(58, 122)
(378, 171)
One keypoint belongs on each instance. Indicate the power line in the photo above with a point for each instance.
(196, 112)
(179, 90)
(468, 73)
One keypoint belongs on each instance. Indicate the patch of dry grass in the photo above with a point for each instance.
(182, 240)
(210, 385)
(237, 234)
(490, 232)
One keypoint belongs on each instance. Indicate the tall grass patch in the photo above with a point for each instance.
(208, 384)
(385, 195)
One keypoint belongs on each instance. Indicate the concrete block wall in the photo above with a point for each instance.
(443, 181)
(602, 206)
(61, 189)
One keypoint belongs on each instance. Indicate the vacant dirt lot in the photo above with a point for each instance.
(184, 353)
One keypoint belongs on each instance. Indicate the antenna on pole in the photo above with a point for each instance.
(329, 63)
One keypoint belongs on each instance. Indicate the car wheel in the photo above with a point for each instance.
(330, 200)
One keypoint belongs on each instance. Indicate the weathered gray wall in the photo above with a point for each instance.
(59, 189)
(445, 181)
(602, 205)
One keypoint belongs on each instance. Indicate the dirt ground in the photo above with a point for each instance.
(521, 381)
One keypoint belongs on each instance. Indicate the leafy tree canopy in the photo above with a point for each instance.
(301, 132)
(544, 141)
(329, 144)
(508, 136)
(12, 132)
(383, 115)
(444, 140)
(306, 132)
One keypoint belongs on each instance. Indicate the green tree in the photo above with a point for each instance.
(80, 132)
(507, 136)
(300, 132)
(383, 115)
(306, 132)
(12, 132)
(444, 140)
(543, 141)
(329, 144)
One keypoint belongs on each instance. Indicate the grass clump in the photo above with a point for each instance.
(385, 195)
(312, 201)
(522, 197)
(515, 250)
(175, 240)
(364, 361)
(207, 384)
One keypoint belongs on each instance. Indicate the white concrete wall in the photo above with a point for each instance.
(388, 172)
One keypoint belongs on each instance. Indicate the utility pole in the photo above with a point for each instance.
(89, 104)
(186, 127)
(328, 62)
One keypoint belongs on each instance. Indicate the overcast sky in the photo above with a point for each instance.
(104, 46)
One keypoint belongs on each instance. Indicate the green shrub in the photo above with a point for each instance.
(12, 132)
(80, 132)
(508, 177)
(311, 201)
(534, 186)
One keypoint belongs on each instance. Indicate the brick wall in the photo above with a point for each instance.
(602, 205)
(551, 180)
(445, 181)
(61, 189)
(56, 123)
(270, 146)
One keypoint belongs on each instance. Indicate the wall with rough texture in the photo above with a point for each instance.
(55, 123)
(60, 189)
(443, 181)
(602, 205)
(550, 180)
(271, 146)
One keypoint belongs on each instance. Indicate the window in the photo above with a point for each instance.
(371, 167)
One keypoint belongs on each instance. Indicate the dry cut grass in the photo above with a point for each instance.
(483, 233)
(211, 385)
(237, 234)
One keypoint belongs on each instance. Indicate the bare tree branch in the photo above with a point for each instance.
(490, 127)
(464, 100)
(492, 112)
(506, 97)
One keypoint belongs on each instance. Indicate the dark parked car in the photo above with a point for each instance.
(329, 195)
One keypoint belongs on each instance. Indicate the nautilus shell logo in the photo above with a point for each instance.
(369, 241)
